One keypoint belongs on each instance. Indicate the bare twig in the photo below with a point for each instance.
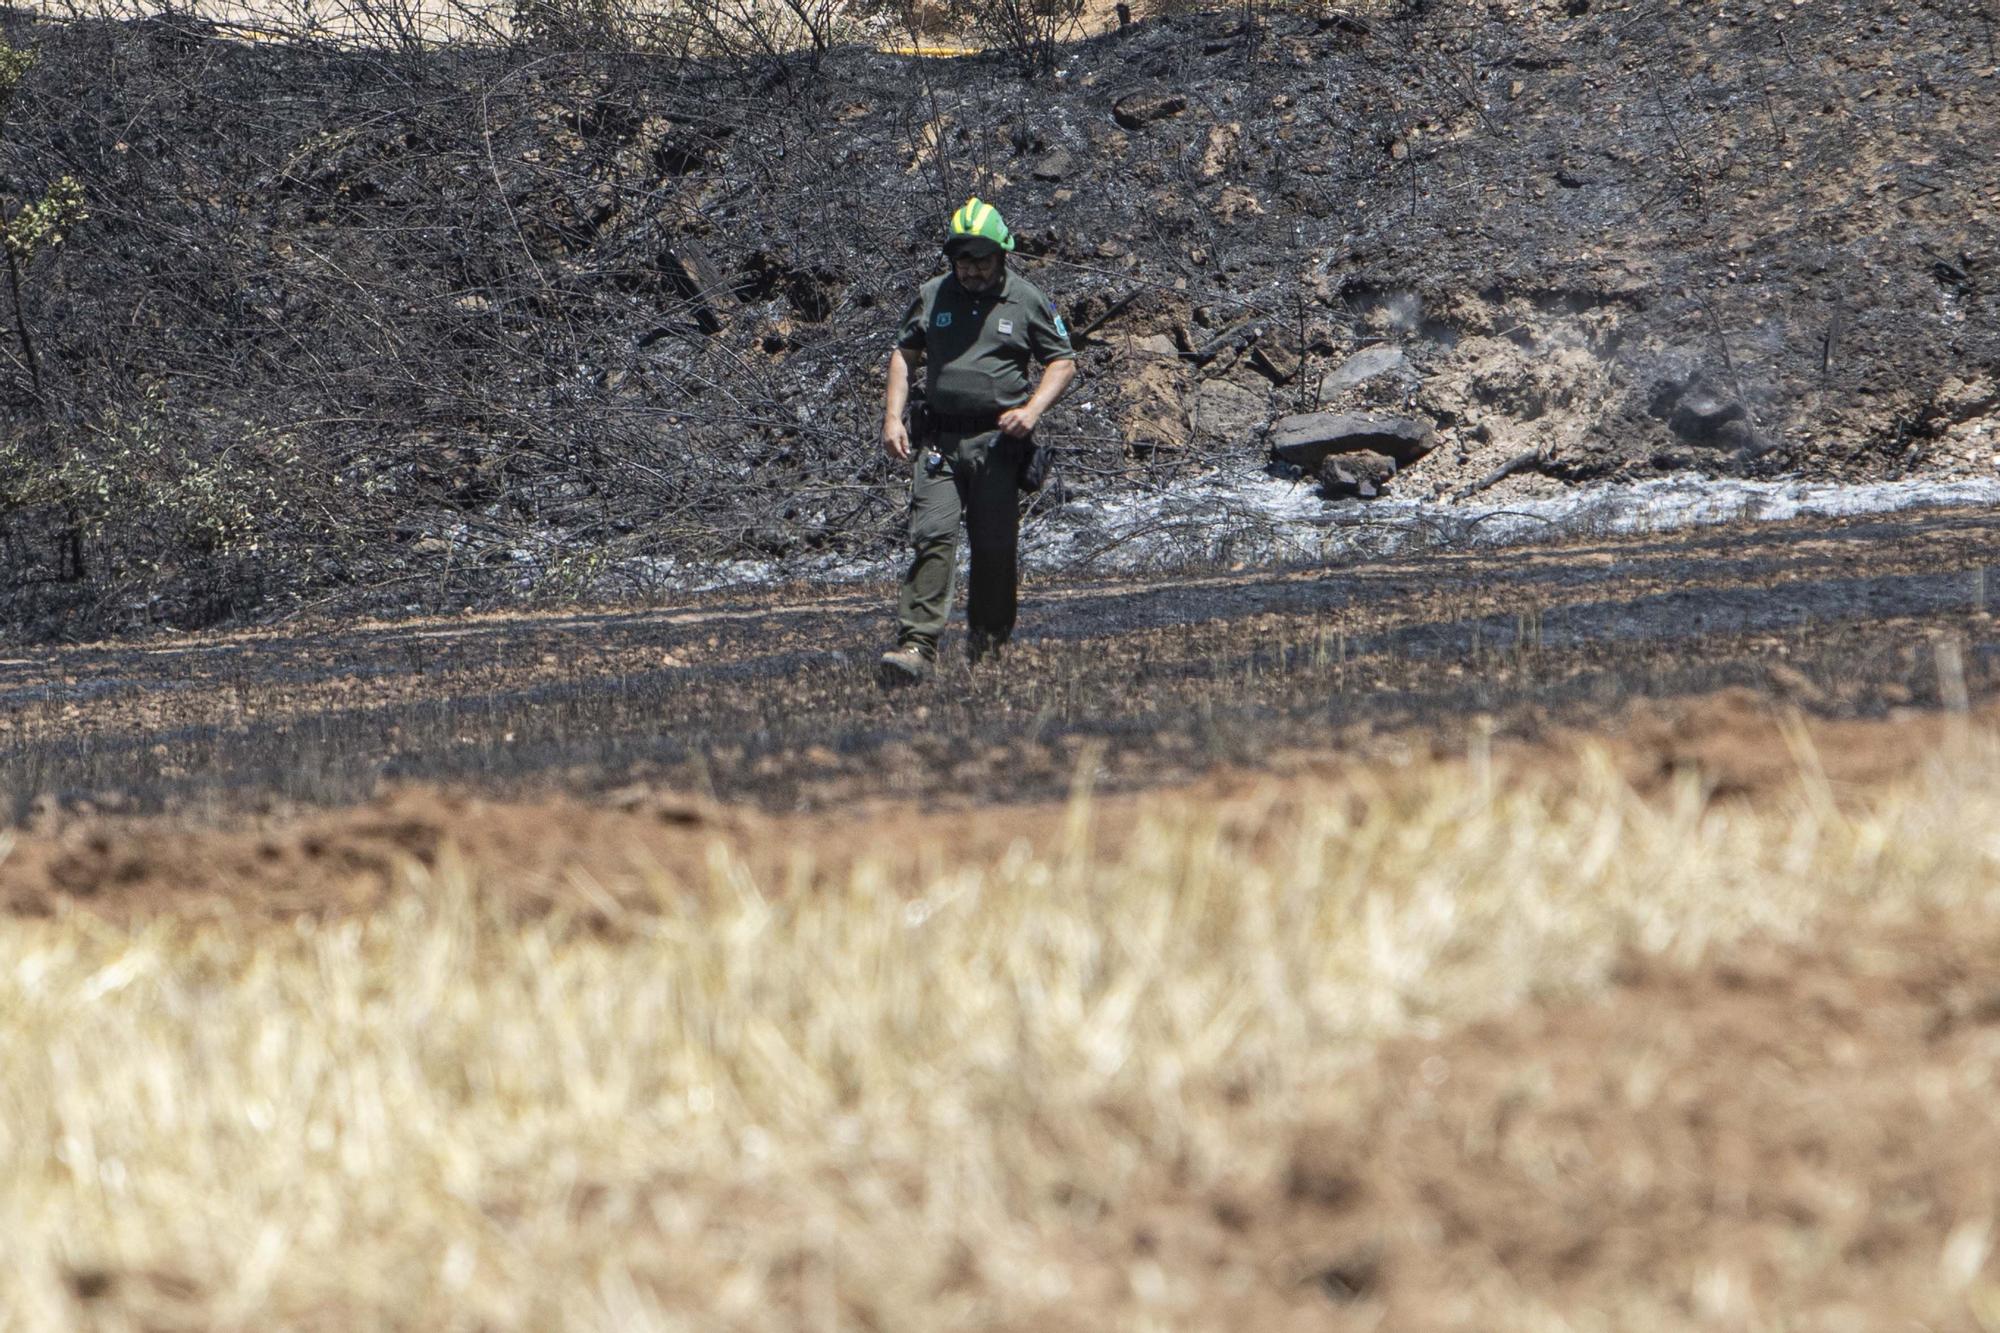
(1528, 460)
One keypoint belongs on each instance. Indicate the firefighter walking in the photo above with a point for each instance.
(975, 331)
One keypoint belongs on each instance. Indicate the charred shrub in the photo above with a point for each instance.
(1029, 30)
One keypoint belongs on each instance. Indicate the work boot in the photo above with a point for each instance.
(906, 664)
(983, 647)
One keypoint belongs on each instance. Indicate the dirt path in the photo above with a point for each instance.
(307, 769)
(771, 700)
(563, 851)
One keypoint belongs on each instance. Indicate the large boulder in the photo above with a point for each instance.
(1309, 438)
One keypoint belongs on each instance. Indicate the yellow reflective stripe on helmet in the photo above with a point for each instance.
(971, 219)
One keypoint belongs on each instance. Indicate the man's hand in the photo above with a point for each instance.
(896, 439)
(1020, 421)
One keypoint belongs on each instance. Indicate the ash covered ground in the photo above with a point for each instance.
(446, 327)
(770, 701)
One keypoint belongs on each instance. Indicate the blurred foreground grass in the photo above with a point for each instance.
(893, 1106)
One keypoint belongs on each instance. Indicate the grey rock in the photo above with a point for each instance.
(1701, 416)
(1276, 355)
(1226, 411)
(1363, 366)
(1149, 344)
(1053, 167)
(1701, 412)
(1309, 438)
(1363, 475)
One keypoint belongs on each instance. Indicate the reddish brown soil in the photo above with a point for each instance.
(1800, 1137)
(572, 851)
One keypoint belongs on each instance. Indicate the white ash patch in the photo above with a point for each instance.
(1249, 518)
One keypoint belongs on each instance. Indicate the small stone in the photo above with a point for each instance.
(1142, 109)
(1053, 167)
(1277, 356)
(1363, 475)
(1701, 412)
(1700, 415)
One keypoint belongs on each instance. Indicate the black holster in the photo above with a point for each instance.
(923, 424)
(1038, 461)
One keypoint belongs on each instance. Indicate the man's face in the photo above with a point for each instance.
(976, 274)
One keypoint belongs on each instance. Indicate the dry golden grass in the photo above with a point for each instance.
(895, 1106)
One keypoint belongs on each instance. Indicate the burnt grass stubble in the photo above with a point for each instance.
(1139, 683)
(427, 328)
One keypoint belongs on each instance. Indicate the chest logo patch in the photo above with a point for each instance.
(1006, 327)
(943, 319)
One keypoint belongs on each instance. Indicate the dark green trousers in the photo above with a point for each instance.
(978, 484)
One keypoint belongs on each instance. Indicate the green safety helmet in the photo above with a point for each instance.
(978, 229)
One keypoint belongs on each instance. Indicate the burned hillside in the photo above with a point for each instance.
(440, 325)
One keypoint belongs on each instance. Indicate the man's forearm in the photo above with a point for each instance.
(895, 397)
(1056, 377)
(896, 392)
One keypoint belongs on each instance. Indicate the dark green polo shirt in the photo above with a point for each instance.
(977, 348)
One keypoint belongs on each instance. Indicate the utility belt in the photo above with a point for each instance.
(972, 425)
(926, 424)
